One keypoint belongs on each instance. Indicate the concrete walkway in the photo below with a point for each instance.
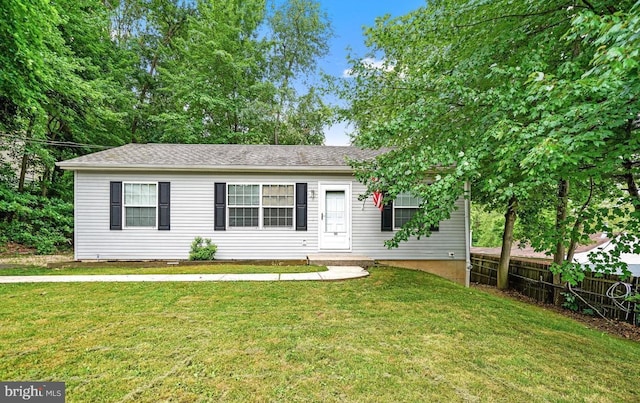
(332, 273)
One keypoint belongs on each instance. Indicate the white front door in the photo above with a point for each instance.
(335, 216)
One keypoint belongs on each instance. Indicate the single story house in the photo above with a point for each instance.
(149, 201)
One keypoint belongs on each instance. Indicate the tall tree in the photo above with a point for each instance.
(57, 88)
(228, 74)
(213, 88)
(70, 94)
(27, 36)
(494, 93)
(149, 29)
(299, 33)
(28, 39)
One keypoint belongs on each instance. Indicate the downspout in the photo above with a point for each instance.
(75, 215)
(467, 232)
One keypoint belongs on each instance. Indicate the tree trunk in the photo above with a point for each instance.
(55, 175)
(561, 217)
(285, 85)
(628, 165)
(44, 183)
(507, 241)
(24, 165)
(23, 170)
(577, 225)
(277, 126)
(632, 186)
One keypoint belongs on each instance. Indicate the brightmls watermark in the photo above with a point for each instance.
(38, 392)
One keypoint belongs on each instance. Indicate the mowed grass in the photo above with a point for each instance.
(164, 269)
(398, 335)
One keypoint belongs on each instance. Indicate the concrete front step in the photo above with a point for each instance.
(339, 259)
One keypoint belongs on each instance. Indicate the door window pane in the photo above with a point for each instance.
(335, 214)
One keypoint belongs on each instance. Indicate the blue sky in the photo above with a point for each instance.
(348, 17)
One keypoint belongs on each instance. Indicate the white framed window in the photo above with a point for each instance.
(244, 205)
(140, 205)
(260, 205)
(404, 207)
(277, 206)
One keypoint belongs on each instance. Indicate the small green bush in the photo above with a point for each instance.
(570, 301)
(202, 249)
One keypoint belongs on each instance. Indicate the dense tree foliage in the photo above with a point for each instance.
(80, 75)
(535, 103)
(44, 224)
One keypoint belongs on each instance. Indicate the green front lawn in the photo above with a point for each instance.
(398, 335)
(165, 269)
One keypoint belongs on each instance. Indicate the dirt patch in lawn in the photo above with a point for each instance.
(14, 254)
(32, 260)
(621, 329)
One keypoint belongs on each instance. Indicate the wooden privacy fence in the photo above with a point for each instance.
(534, 279)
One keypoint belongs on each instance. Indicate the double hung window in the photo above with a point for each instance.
(277, 205)
(260, 206)
(140, 204)
(405, 206)
(244, 205)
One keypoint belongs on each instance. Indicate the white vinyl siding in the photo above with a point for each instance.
(368, 240)
(192, 214)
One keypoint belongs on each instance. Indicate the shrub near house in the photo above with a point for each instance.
(202, 249)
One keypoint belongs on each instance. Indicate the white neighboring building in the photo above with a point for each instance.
(632, 260)
(6, 157)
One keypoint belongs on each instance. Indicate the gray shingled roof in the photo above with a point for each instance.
(221, 157)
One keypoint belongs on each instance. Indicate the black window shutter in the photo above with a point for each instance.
(115, 207)
(220, 211)
(387, 217)
(164, 206)
(301, 206)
